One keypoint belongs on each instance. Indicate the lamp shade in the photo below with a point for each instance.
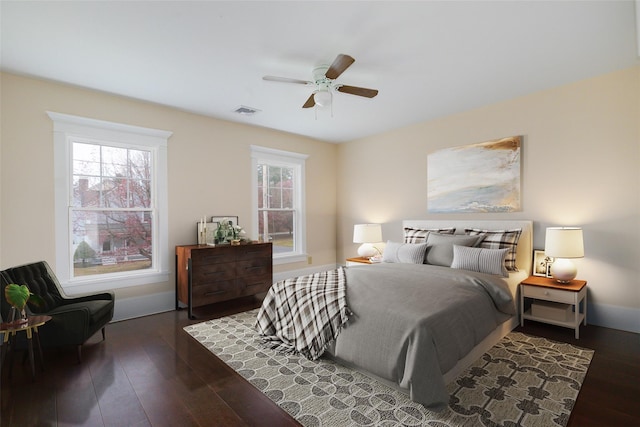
(564, 242)
(367, 233)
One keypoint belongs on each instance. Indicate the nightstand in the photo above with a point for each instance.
(554, 303)
(358, 261)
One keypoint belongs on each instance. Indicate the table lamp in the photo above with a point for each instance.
(564, 243)
(367, 234)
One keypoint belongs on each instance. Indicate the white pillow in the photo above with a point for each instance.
(490, 261)
(407, 253)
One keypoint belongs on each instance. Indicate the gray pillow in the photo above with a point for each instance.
(440, 247)
(490, 261)
(406, 253)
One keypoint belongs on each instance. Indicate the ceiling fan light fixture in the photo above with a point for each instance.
(322, 98)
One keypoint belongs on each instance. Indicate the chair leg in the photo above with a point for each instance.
(103, 338)
(79, 353)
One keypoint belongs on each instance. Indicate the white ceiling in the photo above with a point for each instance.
(427, 58)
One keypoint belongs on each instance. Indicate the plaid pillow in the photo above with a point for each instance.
(500, 239)
(419, 235)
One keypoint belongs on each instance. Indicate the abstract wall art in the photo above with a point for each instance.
(482, 177)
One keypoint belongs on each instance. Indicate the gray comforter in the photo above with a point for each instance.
(413, 322)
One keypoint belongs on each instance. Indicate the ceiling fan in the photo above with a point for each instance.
(324, 82)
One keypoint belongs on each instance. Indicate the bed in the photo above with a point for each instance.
(417, 326)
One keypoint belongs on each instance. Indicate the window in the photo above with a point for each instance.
(278, 200)
(111, 204)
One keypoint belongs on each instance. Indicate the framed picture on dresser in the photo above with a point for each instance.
(541, 263)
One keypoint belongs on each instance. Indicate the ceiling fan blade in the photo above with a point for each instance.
(310, 102)
(360, 91)
(286, 80)
(341, 63)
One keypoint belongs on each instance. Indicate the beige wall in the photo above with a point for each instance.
(581, 166)
(208, 160)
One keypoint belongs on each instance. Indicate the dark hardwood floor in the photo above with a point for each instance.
(149, 372)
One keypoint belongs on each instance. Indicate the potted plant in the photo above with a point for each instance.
(227, 232)
(18, 296)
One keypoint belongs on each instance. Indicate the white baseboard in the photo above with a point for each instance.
(129, 308)
(615, 317)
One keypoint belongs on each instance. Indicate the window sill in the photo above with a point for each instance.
(289, 259)
(102, 284)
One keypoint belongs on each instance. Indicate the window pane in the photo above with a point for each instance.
(139, 164)
(287, 178)
(140, 193)
(114, 161)
(115, 193)
(86, 191)
(110, 241)
(277, 227)
(274, 200)
(86, 159)
(287, 198)
(274, 175)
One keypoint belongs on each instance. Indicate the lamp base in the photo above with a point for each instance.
(563, 270)
(366, 250)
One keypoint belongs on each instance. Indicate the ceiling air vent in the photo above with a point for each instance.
(246, 111)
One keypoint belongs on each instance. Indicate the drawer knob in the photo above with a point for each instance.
(546, 292)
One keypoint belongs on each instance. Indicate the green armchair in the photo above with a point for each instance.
(73, 320)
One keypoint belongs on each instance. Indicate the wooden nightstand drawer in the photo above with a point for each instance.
(556, 295)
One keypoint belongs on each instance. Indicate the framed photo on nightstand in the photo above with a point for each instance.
(541, 264)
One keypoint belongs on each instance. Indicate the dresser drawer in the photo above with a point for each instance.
(254, 284)
(210, 273)
(253, 267)
(214, 292)
(210, 256)
(246, 252)
(548, 294)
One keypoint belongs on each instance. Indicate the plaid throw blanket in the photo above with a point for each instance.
(304, 314)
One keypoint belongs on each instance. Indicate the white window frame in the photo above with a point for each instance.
(296, 161)
(66, 130)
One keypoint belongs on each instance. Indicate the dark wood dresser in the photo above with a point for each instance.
(209, 274)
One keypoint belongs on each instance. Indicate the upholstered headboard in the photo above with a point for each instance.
(524, 251)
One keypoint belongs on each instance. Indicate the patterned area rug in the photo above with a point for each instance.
(521, 381)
